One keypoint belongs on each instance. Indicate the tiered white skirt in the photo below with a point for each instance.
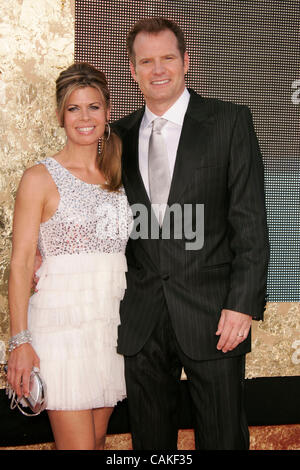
(74, 319)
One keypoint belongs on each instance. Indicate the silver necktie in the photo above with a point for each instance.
(159, 172)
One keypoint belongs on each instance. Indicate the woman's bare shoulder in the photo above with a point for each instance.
(35, 179)
(37, 173)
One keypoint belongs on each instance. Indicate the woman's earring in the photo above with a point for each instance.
(108, 131)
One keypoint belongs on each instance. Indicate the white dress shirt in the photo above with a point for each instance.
(171, 133)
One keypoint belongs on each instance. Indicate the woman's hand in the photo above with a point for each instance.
(20, 364)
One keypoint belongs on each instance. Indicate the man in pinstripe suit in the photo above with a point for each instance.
(190, 308)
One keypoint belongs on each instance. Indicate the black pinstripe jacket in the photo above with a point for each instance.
(218, 164)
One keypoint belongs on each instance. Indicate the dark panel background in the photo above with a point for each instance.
(246, 51)
(262, 397)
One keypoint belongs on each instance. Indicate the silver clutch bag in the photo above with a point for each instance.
(37, 398)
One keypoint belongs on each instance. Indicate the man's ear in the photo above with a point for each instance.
(132, 70)
(186, 62)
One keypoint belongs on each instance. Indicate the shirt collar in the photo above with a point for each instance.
(174, 114)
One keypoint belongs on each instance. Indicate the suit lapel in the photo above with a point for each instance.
(193, 144)
(134, 185)
(136, 188)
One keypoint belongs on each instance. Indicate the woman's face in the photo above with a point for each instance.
(85, 116)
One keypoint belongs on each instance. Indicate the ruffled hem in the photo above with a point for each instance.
(45, 299)
(73, 316)
(82, 263)
(75, 289)
(74, 319)
(84, 280)
(81, 366)
(67, 342)
(78, 384)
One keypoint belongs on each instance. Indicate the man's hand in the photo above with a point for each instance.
(233, 328)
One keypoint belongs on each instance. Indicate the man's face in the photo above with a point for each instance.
(159, 69)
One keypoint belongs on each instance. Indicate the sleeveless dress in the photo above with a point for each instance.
(74, 315)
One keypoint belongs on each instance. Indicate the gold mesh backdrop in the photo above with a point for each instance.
(36, 43)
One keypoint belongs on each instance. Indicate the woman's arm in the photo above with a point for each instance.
(29, 206)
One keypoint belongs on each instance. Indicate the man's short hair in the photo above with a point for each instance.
(154, 26)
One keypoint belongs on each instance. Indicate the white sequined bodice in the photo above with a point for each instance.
(89, 219)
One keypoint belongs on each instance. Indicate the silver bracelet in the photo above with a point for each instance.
(21, 338)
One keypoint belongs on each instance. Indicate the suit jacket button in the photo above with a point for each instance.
(165, 276)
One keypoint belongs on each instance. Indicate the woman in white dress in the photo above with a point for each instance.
(73, 208)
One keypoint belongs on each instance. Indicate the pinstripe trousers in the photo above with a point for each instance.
(215, 387)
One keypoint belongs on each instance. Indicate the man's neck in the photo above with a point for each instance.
(160, 108)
